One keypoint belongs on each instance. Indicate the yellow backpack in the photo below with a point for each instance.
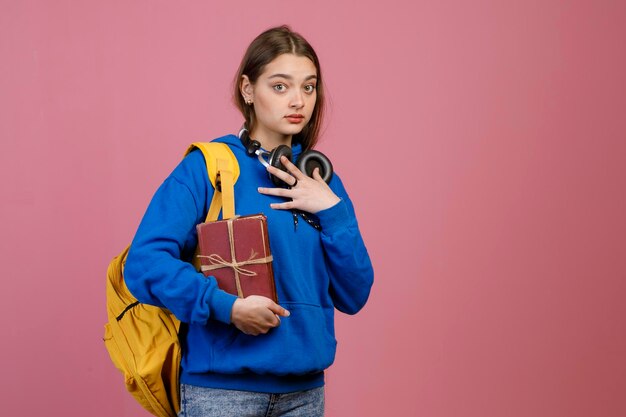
(142, 340)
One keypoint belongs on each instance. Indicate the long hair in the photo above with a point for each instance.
(263, 50)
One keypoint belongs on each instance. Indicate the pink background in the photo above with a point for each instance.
(482, 143)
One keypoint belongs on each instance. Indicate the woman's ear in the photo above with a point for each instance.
(246, 88)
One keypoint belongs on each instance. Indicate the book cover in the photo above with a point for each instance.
(237, 253)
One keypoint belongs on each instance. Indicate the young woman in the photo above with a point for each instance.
(250, 356)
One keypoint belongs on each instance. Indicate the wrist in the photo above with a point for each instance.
(330, 203)
(334, 201)
(235, 309)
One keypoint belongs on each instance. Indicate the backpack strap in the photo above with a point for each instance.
(223, 171)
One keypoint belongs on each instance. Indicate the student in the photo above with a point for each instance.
(250, 356)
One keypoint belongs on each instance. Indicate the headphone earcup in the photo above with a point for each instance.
(309, 160)
(274, 160)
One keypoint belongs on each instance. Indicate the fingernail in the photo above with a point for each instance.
(287, 313)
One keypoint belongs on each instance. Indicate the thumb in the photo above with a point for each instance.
(316, 174)
(276, 309)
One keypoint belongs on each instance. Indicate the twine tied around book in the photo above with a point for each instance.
(218, 262)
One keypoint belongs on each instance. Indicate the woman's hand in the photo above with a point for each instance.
(255, 314)
(310, 194)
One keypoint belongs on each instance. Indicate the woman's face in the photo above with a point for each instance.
(284, 98)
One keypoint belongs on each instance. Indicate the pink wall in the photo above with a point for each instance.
(482, 142)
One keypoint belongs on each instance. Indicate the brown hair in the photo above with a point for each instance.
(263, 50)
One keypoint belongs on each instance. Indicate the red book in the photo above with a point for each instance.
(237, 253)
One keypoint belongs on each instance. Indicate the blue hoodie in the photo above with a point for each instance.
(315, 272)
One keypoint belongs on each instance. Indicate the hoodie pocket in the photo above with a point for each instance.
(303, 343)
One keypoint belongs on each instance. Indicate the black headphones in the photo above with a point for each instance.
(306, 162)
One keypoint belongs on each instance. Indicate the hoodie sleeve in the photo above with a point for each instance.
(349, 265)
(156, 270)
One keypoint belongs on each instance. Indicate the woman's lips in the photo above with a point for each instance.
(295, 118)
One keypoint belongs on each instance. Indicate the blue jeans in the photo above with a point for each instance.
(210, 402)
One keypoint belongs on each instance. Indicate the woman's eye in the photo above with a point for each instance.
(279, 87)
(309, 88)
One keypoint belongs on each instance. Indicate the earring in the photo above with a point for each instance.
(248, 101)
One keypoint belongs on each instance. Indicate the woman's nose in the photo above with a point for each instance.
(297, 101)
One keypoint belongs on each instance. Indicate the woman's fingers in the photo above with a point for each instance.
(293, 170)
(289, 179)
(287, 205)
(294, 175)
(305, 193)
(278, 191)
